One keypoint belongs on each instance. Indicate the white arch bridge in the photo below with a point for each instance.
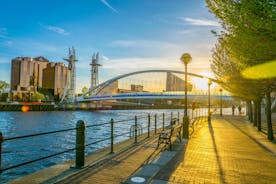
(94, 94)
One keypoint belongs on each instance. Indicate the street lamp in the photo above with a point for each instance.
(209, 101)
(186, 59)
(220, 90)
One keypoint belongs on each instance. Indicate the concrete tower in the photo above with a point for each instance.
(94, 70)
(69, 93)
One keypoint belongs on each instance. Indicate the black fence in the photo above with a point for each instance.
(155, 123)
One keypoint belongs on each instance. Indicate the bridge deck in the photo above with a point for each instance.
(228, 150)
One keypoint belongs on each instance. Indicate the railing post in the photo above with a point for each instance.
(80, 144)
(111, 135)
(155, 122)
(148, 125)
(178, 117)
(1, 141)
(135, 130)
(163, 123)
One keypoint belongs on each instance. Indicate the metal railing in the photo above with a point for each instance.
(155, 123)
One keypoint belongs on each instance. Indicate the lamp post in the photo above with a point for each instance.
(186, 59)
(220, 90)
(209, 101)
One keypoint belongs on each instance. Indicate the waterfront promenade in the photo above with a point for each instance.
(228, 150)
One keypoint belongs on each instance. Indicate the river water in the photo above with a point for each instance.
(21, 150)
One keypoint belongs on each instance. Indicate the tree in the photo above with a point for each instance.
(84, 90)
(37, 97)
(248, 38)
(3, 86)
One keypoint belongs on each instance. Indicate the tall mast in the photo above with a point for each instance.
(94, 70)
(71, 80)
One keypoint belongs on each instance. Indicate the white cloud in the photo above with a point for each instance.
(105, 58)
(109, 6)
(55, 29)
(200, 22)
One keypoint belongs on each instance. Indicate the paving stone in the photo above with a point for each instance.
(164, 158)
(222, 152)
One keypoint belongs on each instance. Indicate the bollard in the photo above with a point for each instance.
(80, 144)
(1, 141)
(111, 135)
(155, 121)
(148, 125)
(135, 130)
(163, 123)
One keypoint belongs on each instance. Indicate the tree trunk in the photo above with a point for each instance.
(249, 111)
(259, 115)
(255, 114)
(268, 116)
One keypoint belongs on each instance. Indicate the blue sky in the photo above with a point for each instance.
(129, 34)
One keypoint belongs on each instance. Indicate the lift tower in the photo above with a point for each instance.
(94, 70)
(70, 91)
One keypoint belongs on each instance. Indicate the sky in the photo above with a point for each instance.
(130, 35)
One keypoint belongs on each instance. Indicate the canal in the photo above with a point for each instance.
(21, 150)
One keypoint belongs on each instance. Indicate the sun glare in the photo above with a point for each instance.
(202, 83)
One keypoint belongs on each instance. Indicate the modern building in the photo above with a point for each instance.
(55, 78)
(110, 89)
(136, 88)
(26, 75)
(175, 83)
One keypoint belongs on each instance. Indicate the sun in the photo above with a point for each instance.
(202, 83)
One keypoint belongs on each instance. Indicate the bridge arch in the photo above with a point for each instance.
(97, 89)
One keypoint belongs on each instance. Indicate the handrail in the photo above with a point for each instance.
(32, 161)
(38, 134)
(155, 121)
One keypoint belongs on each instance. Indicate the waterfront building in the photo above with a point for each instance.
(26, 75)
(136, 88)
(110, 89)
(55, 78)
(175, 83)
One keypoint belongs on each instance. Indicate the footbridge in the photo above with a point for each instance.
(169, 83)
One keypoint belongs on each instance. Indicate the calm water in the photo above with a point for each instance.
(22, 150)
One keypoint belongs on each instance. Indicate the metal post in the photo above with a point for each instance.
(111, 135)
(155, 122)
(209, 101)
(178, 117)
(163, 123)
(135, 131)
(220, 90)
(1, 141)
(80, 144)
(148, 125)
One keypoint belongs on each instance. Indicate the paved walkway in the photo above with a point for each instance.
(118, 168)
(226, 151)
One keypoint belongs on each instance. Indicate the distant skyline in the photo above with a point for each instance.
(130, 35)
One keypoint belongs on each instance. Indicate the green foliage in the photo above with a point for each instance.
(84, 90)
(3, 86)
(248, 38)
(37, 97)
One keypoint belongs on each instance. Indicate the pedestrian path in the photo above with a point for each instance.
(118, 168)
(224, 151)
